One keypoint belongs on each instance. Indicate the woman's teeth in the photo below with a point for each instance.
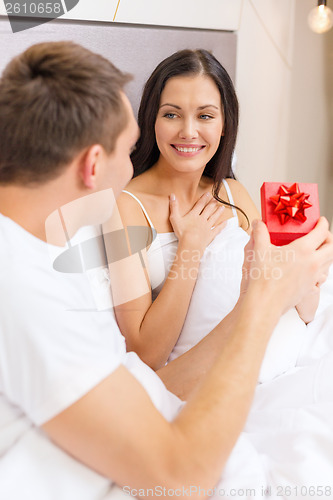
(187, 150)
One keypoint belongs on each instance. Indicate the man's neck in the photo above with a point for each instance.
(31, 206)
(18, 203)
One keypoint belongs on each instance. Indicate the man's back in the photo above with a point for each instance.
(54, 347)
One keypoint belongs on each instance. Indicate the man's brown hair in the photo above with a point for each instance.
(56, 99)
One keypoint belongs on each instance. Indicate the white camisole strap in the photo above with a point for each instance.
(227, 188)
(231, 200)
(143, 208)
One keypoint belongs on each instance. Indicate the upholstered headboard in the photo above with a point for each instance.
(133, 48)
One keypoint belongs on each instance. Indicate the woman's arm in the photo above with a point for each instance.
(152, 328)
(307, 307)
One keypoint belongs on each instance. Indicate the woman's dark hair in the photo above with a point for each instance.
(188, 62)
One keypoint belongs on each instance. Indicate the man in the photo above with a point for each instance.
(76, 411)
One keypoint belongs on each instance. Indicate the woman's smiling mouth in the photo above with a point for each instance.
(188, 150)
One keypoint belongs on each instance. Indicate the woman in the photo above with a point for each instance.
(185, 190)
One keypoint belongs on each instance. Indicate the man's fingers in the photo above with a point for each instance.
(329, 239)
(325, 253)
(321, 279)
(248, 254)
(315, 238)
(260, 234)
(250, 244)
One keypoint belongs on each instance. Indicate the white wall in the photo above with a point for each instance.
(211, 14)
(265, 41)
(285, 94)
(310, 146)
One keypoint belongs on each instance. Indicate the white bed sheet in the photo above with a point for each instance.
(286, 449)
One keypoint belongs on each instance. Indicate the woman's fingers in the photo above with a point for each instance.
(215, 213)
(218, 228)
(210, 208)
(174, 208)
(199, 225)
(202, 202)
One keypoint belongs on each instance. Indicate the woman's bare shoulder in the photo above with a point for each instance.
(239, 193)
(243, 200)
(130, 210)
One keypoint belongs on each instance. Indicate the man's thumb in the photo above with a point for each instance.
(260, 233)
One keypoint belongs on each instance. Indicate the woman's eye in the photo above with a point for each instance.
(205, 117)
(169, 115)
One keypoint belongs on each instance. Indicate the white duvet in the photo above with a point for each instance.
(286, 449)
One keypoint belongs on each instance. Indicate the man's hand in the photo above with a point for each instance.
(289, 272)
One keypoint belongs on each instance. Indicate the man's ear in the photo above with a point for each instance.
(89, 165)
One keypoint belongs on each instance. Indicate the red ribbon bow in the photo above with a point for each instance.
(290, 203)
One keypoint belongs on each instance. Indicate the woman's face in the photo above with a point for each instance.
(189, 122)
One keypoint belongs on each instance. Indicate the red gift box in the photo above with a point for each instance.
(290, 210)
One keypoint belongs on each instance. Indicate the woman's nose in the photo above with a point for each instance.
(188, 129)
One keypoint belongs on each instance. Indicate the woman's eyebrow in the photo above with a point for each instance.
(208, 106)
(199, 108)
(169, 104)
